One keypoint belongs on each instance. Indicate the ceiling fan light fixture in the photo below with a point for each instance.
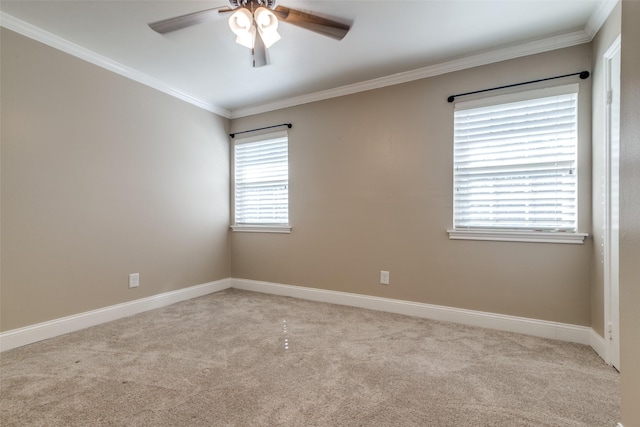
(256, 31)
(241, 23)
(267, 24)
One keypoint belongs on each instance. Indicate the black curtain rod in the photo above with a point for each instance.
(232, 135)
(583, 75)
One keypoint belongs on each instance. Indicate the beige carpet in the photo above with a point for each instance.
(239, 358)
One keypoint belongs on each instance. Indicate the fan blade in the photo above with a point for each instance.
(225, 10)
(259, 52)
(183, 21)
(327, 27)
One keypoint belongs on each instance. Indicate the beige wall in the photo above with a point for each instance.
(630, 215)
(371, 190)
(601, 43)
(102, 177)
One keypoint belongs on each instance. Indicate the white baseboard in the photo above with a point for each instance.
(41, 331)
(599, 345)
(539, 328)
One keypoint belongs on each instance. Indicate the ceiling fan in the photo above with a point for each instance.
(255, 23)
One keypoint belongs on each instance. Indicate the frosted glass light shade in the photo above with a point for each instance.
(267, 24)
(241, 23)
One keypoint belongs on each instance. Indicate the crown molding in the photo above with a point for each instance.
(599, 16)
(485, 58)
(593, 25)
(49, 39)
(595, 22)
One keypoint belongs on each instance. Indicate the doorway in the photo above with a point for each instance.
(612, 203)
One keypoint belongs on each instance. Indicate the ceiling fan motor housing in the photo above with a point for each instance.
(271, 4)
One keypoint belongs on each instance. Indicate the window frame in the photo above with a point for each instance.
(257, 227)
(521, 234)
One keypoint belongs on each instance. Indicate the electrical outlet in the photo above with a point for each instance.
(134, 280)
(384, 277)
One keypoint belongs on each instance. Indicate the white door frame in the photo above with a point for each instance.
(611, 216)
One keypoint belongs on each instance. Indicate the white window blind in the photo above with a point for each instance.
(515, 164)
(261, 180)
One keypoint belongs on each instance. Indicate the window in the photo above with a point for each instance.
(515, 167)
(261, 183)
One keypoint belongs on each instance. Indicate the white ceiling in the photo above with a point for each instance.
(401, 39)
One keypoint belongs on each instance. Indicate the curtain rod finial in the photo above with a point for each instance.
(584, 75)
(451, 98)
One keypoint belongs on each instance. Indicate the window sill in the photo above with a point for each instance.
(519, 236)
(262, 228)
